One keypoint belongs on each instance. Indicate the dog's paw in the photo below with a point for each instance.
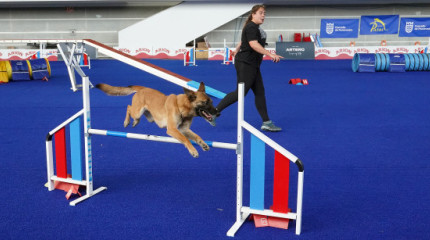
(194, 153)
(204, 146)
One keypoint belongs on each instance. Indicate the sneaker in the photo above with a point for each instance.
(269, 126)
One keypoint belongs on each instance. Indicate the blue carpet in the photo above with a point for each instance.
(363, 139)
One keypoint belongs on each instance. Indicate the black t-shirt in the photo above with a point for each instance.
(251, 32)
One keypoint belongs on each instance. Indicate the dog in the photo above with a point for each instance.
(174, 112)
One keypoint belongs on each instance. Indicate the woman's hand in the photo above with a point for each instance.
(233, 53)
(275, 58)
(260, 49)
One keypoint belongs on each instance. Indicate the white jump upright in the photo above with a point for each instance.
(72, 61)
(242, 213)
(88, 182)
(228, 58)
(190, 57)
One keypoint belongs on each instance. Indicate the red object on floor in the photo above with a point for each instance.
(295, 81)
(278, 222)
(70, 188)
(264, 221)
(260, 221)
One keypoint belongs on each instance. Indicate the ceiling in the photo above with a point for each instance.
(118, 3)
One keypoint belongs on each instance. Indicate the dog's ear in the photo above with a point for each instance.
(201, 87)
(190, 94)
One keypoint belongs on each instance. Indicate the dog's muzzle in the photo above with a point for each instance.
(206, 115)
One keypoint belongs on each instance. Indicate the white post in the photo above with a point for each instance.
(49, 163)
(70, 70)
(87, 142)
(299, 202)
(240, 218)
(240, 114)
(87, 126)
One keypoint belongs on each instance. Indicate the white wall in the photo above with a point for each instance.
(178, 25)
(101, 23)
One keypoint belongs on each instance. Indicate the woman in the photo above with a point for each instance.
(248, 57)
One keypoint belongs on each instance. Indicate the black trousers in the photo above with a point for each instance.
(251, 76)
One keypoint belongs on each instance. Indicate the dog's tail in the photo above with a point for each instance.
(118, 91)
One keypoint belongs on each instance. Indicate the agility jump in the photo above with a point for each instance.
(258, 140)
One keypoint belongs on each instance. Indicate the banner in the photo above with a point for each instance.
(378, 25)
(414, 27)
(339, 28)
(296, 50)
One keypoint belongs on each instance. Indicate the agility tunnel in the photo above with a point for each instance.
(33, 69)
(20, 70)
(5, 72)
(389, 62)
(39, 68)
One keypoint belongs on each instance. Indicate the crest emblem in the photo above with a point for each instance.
(329, 27)
(409, 27)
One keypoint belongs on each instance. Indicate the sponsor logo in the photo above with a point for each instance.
(143, 50)
(125, 50)
(295, 49)
(400, 50)
(382, 50)
(162, 50)
(179, 51)
(31, 53)
(16, 53)
(377, 25)
(344, 50)
(409, 27)
(329, 28)
(323, 51)
(361, 50)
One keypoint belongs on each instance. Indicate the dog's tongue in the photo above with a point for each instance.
(207, 116)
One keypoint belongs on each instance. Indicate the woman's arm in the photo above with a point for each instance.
(260, 49)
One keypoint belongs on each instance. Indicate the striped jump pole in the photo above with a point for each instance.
(280, 208)
(157, 138)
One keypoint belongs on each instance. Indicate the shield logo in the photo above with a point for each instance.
(409, 27)
(329, 27)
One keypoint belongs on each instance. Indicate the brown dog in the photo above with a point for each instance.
(174, 112)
